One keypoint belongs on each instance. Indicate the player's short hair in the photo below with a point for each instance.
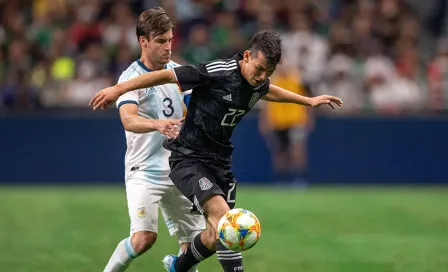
(153, 22)
(269, 43)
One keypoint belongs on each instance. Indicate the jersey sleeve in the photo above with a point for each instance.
(128, 98)
(191, 76)
(131, 97)
(264, 87)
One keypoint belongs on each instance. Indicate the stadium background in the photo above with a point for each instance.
(392, 130)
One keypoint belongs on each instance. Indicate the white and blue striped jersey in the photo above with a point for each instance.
(145, 157)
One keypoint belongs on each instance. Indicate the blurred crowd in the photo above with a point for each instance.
(380, 56)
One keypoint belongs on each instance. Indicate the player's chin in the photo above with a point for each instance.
(165, 59)
(255, 83)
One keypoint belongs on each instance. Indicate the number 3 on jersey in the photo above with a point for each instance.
(169, 104)
(230, 118)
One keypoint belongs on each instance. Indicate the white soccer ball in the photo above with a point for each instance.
(239, 230)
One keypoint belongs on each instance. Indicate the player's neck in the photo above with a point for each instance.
(151, 65)
(241, 67)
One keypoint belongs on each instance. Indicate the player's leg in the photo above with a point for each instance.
(143, 207)
(176, 210)
(202, 247)
(211, 201)
(215, 207)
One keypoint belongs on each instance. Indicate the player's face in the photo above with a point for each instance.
(256, 68)
(158, 48)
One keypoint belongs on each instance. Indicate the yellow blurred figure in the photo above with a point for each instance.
(285, 116)
(286, 126)
(43, 7)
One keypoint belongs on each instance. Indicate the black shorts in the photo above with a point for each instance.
(198, 179)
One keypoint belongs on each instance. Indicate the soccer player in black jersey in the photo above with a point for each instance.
(223, 92)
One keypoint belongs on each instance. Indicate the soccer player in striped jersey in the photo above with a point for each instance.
(223, 92)
(149, 116)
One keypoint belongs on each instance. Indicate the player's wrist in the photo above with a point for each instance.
(154, 125)
(307, 101)
(120, 88)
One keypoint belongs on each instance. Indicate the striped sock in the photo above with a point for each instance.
(122, 257)
(230, 260)
(195, 253)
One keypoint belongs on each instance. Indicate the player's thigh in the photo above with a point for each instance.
(195, 181)
(143, 203)
(227, 182)
(176, 210)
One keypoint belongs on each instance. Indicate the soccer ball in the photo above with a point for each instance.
(239, 230)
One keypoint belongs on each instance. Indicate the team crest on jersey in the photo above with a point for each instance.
(141, 212)
(205, 184)
(254, 99)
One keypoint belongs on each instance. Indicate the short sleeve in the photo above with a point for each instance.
(128, 98)
(263, 88)
(131, 97)
(191, 76)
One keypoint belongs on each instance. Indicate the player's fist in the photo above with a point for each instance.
(325, 100)
(105, 98)
(169, 127)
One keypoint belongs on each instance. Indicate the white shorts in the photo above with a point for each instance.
(145, 198)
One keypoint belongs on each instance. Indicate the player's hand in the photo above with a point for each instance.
(105, 98)
(325, 100)
(169, 127)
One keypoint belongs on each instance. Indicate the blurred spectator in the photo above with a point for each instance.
(198, 48)
(18, 93)
(342, 80)
(91, 75)
(286, 127)
(368, 52)
(379, 77)
(438, 78)
(119, 29)
(304, 49)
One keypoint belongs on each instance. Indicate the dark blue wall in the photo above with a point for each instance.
(341, 150)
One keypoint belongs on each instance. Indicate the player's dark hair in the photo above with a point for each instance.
(153, 22)
(269, 43)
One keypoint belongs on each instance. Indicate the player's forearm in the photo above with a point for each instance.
(277, 94)
(138, 124)
(147, 80)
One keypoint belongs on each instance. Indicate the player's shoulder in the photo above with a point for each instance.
(221, 66)
(132, 71)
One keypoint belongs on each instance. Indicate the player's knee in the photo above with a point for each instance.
(211, 234)
(143, 240)
(209, 237)
(215, 207)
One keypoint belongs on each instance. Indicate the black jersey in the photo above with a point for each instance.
(220, 99)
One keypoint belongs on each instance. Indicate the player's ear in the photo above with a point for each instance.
(143, 41)
(246, 55)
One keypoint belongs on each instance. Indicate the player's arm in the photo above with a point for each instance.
(108, 96)
(187, 77)
(134, 123)
(277, 94)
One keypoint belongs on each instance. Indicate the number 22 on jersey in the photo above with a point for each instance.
(231, 117)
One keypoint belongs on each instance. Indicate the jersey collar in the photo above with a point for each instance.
(144, 66)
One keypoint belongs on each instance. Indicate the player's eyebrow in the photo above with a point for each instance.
(162, 39)
(260, 67)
